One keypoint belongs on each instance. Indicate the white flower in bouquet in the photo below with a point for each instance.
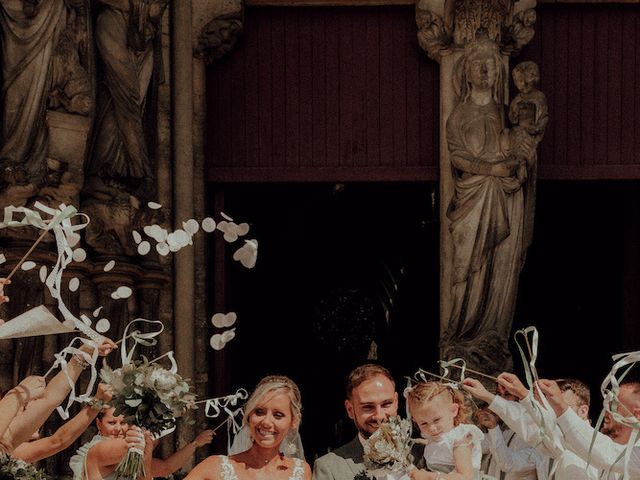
(388, 450)
(150, 397)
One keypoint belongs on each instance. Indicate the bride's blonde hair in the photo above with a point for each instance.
(272, 384)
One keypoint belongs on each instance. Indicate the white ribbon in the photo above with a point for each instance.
(546, 412)
(147, 339)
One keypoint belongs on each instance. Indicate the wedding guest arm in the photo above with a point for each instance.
(512, 413)
(66, 434)
(28, 390)
(171, 464)
(103, 457)
(33, 417)
(512, 455)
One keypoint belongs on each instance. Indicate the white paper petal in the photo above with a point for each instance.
(72, 239)
(144, 248)
(220, 320)
(228, 335)
(79, 255)
(171, 239)
(174, 248)
(109, 266)
(103, 325)
(97, 311)
(208, 224)
(115, 295)
(43, 273)
(216, 342)
(28, 265)
(136, 236)
(163, 249)
(2, 258)
(154, 205)
(124, 292)
(242, 229)
(158, 233)
(182, 238)
(191, 226)
(224, 215)
(74, 284)
(85, 319)
(247, 254)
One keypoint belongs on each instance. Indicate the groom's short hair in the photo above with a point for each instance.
(364, 372)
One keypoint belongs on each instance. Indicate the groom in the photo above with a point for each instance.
(371, 399)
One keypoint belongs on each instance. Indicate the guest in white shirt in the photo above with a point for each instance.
(609, 447)
(526, 418)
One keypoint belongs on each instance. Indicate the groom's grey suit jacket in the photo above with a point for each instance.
(346, 462)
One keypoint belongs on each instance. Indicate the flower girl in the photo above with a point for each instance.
(452, 446)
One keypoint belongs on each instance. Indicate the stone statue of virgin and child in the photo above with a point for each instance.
(491, 211)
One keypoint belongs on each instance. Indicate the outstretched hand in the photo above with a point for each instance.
(478, 390)
(512, 384)
(105, 348)
(135, 438)
(553, 394)
(104, 392)
(205, 437)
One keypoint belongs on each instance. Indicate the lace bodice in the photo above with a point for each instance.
(228, 473)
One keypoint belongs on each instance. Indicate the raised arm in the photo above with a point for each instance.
(578, 436)
(171, 464)
(37, 412)
(16, 398)
(65, 435)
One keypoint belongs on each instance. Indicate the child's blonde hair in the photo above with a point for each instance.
(424, 392)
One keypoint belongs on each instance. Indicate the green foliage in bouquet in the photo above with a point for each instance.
(148, 395)
(388, 450)
(14, 469)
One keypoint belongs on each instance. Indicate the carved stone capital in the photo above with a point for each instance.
(219, 36)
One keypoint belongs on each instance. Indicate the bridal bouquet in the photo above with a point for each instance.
(150, 397)
(388, 450)
(14, 469)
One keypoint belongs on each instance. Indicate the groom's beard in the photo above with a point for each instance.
(368, 428)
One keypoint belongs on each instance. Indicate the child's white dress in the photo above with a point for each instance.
(439, 455)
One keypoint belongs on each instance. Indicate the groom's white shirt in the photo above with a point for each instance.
(550, 453)
(605, 453)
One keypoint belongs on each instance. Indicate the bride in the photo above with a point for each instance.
(271, 420)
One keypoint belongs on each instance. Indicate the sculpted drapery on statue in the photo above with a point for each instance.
(30, 32)
(125, 35)
(488, 170)
(47, 100)
(486, 211)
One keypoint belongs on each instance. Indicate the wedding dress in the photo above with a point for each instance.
(228, 473)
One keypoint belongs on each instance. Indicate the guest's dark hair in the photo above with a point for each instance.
(363, 373)
(579, 388)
